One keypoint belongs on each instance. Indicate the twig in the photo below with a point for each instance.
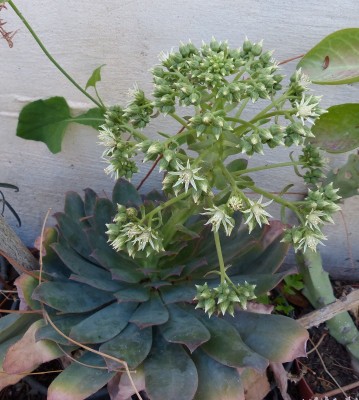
(290, 59)
(331, 376)
(318, 344)
(321, 315)
(338, 391)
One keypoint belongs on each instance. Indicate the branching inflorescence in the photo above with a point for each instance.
(206, 90)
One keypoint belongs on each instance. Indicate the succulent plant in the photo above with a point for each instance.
(110, 315)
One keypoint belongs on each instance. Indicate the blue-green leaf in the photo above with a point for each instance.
(104, 324)
(131, 345)
(152, 312)
(227, 347)
(77, 381)
(126, 194)
(169, 372)
(215, 380)
(184, 328)
(71, 297)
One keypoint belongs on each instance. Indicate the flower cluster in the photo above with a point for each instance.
(316, 210)
(223, 298)
(118, 152)
(314, 162)
(127, 233)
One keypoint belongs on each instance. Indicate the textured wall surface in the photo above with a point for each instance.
(127, 36)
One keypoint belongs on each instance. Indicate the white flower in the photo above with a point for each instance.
(302, 79)
(108, 139)
(311, 240)
(257, 213)
(308, 107)
(186, 176)
(314, 218)
(218, 218)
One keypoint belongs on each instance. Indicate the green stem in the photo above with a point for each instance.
(278, 200)
(242, 122)
(49, 56)
(265, 167)
(168, 203)
(318, 290)
(179, 119)
(220, 257)
(286, 113)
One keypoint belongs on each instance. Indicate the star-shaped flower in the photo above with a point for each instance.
(257, 213)
(219, 217)
(187, 175)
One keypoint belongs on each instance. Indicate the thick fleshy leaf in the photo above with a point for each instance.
(121, 268)
(178, 292)
(120, 386)
(64, 324)
(89, 203)
(132, 292)
(334, 60)
(126, 194)
(93, 117)
(275, 337)
(72, 232)
(346, 178)
(8, 379)
(337, 131)
(255, 384)
(131, 345)
(95, 77)
(169, 372)
(152, 312)
(103, 325)
(184, 328)
(71, 297)
(227, 347)
(25, 285)
(45, 121)
(216, 381)
(104, 213)
(77, 381)
(27, 354)
(85, 270)
(74, 207)
(15, 324)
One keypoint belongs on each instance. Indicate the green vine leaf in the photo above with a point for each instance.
(93, 117)
(334, 60)
(95, 77)
(338, 130)
(47, 120)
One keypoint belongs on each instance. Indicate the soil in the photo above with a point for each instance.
(327, 369)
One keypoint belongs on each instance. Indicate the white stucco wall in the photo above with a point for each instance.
(127, 36)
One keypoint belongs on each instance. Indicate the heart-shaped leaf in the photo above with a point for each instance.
(334, 60)
(45, 121)
(337, 131)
